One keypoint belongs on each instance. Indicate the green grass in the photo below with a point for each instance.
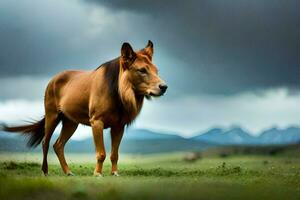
(152, 177)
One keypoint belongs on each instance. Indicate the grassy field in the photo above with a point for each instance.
(152, 177)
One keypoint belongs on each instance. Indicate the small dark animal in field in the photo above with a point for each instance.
(110, 96)
(192, 157)
(265, 162)
(223, 155)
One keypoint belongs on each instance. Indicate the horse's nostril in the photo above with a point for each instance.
(163, 87)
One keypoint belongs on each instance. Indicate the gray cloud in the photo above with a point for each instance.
(23, 87)
(45, 37)
(220, 47)
(227, 46)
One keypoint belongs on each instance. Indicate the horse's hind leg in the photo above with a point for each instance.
(51, 121)
(68, 128)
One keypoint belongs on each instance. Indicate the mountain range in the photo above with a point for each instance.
(238, 136)
(146, 141)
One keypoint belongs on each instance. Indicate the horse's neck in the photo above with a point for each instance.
(131, 102)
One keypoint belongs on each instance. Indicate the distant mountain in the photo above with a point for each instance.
(13, 142)
(144, 134)
(140, 141)
(219, 136)
(238, 136)
(209, 136)
(135, 141)
(280, 136)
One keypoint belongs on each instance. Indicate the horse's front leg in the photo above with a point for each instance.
(116, 137)
(97, 126)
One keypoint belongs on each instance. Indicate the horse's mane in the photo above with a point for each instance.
(121, 89)
(111, 75)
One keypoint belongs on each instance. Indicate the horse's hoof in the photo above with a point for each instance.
(115, 173)
(70, 174)
(98, 174)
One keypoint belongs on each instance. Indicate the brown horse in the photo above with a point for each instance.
(110, 96)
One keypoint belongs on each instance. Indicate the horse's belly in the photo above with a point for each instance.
(75, 110)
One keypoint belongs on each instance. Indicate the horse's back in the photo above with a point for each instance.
(61, 80)
(68, 91)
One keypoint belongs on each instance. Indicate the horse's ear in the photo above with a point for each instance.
(127, 54)
(148, 50)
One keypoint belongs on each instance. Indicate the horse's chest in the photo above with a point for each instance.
(117, 118)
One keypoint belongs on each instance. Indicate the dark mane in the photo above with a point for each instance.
(111, 74)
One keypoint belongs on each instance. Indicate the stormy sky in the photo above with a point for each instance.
(226, 62)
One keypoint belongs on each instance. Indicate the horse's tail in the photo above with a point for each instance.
(35, 131)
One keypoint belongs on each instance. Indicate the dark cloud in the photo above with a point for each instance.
(227, 46)
(45, 37)
(221, 47)
(34, 40)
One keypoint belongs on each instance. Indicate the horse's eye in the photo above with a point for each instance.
(142, 71)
